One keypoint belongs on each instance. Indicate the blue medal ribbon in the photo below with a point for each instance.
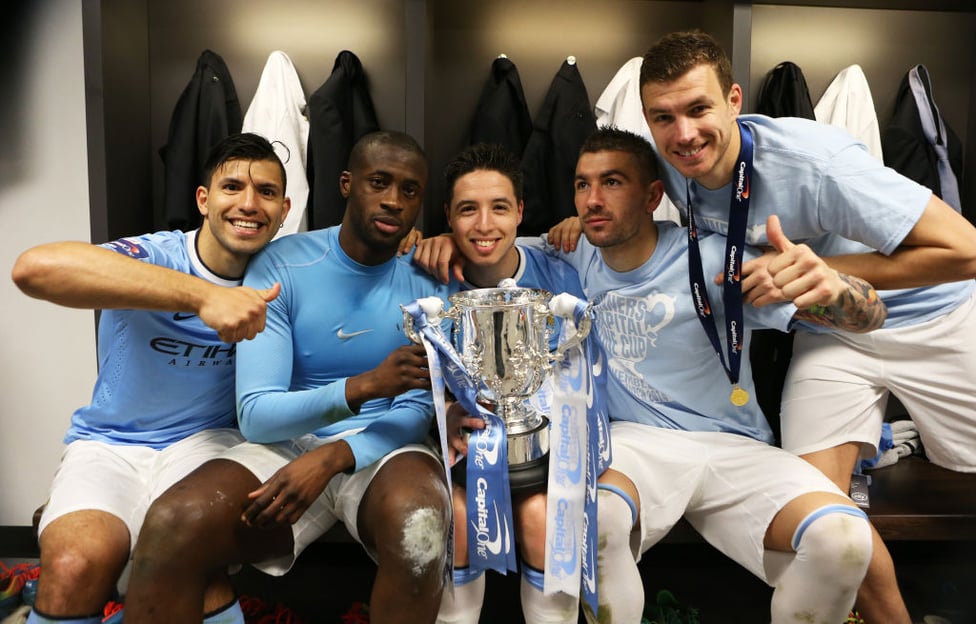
(734, 243)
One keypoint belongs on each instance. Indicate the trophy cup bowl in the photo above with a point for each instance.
(501, 336)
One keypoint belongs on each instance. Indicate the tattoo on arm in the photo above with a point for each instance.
(858, 309)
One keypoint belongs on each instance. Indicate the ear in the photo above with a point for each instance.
(521, 209)
(345, 183)
(735, 98)
(202, 194)
(285, 209)
(655, 193)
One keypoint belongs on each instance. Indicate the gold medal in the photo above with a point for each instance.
(739, 397)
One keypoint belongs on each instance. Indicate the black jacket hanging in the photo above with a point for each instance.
(565, 120)
(207, 112)
(340, 112)
(784, 93)
(501, 115)
(905, 145)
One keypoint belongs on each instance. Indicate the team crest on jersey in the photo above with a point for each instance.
(128, 247)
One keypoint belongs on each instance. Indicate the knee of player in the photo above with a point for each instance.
(837, 538)
(406, 515)
(74, 567)
(413, 526)
(422, 540)
(176, 521)
(616, 515)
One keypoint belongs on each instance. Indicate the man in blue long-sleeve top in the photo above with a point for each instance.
(336, 406)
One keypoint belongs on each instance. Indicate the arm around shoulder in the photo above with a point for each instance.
(940, 248)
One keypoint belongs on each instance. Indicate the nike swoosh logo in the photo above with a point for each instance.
(181, 316)
(344, 336)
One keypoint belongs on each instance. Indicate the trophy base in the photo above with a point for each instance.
(524, 478)
(529, 476)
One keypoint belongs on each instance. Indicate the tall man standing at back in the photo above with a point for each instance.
(829, 192)
(336, 407)
(172, 309)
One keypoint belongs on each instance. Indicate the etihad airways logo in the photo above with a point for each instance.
(484, 542)
(188, 354)
(742, 183)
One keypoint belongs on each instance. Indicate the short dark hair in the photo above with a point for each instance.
(613, 139)
(243, 146)
(677, 53)
(388, 138)
(483, 157)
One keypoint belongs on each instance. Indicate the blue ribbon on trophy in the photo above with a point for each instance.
(489, 506)
(501, 354)
(579, 453)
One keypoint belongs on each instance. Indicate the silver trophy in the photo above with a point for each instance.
(502, 336)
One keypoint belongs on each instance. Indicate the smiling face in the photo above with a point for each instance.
(693, 124)
(243, 207)
(384, 192)
(484, 216)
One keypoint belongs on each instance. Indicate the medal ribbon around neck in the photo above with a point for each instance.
(732, 284)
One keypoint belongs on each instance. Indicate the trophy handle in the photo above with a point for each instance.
(563, 305)
(432, 307)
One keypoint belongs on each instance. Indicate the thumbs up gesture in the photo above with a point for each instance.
(801, 275)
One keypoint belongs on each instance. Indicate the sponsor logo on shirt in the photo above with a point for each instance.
(341, 335)
(183, 316)
(189, 354)
(128, 247)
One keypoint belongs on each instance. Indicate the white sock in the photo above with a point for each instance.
(621, 592)
(464, 605)
(537, 608)
(833, 549)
